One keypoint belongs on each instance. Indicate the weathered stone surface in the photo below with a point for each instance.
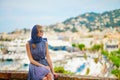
(21, 75)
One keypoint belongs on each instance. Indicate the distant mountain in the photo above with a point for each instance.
(90, 20)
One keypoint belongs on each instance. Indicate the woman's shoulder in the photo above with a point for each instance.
(28, 42)
(44, 40)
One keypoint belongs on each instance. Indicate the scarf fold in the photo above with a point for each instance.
(34, 38)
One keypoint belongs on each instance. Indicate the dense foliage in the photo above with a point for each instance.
(114, 57)
(61, 69)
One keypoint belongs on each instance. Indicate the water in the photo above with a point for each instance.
(13, 65)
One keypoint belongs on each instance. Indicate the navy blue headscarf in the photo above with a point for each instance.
(34, 38)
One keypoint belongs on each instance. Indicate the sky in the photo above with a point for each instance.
(19, 14)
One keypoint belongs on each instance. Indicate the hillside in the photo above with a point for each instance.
(90, 20)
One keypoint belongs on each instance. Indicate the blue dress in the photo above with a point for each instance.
(38, 54)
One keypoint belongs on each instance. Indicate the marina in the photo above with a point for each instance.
(71, 61)
(86, 62)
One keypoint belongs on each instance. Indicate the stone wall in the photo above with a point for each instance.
(22, 75)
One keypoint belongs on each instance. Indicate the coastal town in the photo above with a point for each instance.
(61, 50)
(70, 46)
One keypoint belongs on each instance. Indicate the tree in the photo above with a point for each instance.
(81, 46)
(74, 29)
(74, 45)
(114, 56)
(97, 47)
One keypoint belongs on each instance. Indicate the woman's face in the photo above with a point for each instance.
(40, 33)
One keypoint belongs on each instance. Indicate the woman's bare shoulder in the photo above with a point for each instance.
(27, 43)
(46, 43)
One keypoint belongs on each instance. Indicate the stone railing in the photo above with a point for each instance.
(22, 75)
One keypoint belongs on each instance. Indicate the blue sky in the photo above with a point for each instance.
(26, 13)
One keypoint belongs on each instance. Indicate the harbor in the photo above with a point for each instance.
(72, 59)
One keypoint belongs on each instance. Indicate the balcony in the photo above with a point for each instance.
(22, 75)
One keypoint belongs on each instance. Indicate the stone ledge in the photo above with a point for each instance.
(22, 75)
(13, 75)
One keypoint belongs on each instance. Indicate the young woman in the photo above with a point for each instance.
(40, 67)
